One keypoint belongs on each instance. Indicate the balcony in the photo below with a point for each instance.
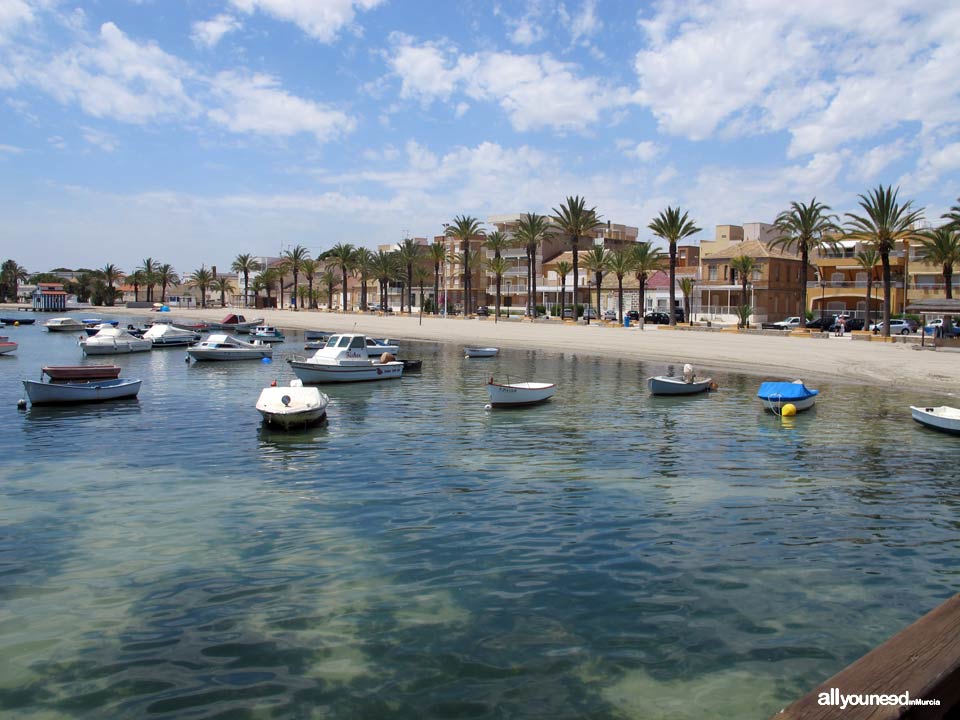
(846, 284)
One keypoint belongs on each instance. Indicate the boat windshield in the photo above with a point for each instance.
(344, 342)
(356, 343)
(333, 340)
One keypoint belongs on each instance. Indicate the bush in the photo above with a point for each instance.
(555, 310)
(579, 310)
(541, 309)
(428, 305)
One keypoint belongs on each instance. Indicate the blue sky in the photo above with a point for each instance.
(194, 131)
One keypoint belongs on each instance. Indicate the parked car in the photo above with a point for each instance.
(897, 327)
(483, 311)
(821, 323)
(634, 315)
(787, 324)
(569, 314)
(657, 318)
(935, 327)
(610, 315)
(849, 324)
(589, 313)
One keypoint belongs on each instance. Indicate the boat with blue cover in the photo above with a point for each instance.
(774, 395)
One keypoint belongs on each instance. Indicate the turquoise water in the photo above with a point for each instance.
(607, 555)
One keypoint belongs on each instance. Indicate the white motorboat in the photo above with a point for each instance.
(344, 359)
(50, 393)
(63, 324)
(774, 395)
(293, 406)
(267, 333)
(481, 352)
(6, 345)
(165, 335)
(114, 341)
(378, 346)
(226, 347)
(92, 330)
(517, 394)
(942, 417)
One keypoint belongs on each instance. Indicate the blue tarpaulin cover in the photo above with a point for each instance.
(784, 391)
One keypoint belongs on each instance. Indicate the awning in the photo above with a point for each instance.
(935, 306)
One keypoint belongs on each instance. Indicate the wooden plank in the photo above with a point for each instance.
(922, 660)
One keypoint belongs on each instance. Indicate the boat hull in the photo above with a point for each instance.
(471, 352)
(228, 354)
(7, 347)
(303, 406)
(81, 372)
(118, 348)
(315, 373)
(775, 404)
(17, 321)
(68, 393)
(65, 328)
(943, 418)
(520, 394)
(664, 385)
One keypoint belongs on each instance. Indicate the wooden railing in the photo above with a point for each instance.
(922, 660)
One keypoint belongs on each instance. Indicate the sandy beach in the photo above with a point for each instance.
(835, 359)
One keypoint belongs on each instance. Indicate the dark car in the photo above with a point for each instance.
(822, 324)
(483, 311)
(849, 324)
(634, 315)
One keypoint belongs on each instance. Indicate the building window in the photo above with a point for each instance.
(713, 272)
(725, 272)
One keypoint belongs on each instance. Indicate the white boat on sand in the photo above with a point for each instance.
(165, 335)
(293, 406)
(236, 323)
(942, 417)
(114, 341)
(226, 347)
(63, 324)
(344, 359)
(49, 393)
(480, 352)
(518, 394)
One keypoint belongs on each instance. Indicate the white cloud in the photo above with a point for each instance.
(320, 19)
(13, 14)
(257, 103)
(534, 90)
(58, 142)
(870, 164)
(207, 33)
(583, 24)
(102, 140)
(644, 151)
(10, 149)
(526, 32)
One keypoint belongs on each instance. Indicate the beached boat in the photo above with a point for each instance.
(481, 352)
(293, 406)
(67, 373)
(316, 334)
(6, 345)
(669, 385)
(114, 341)
(267, 333)
(226, 347)
(62, 393)
(774, 395)
(17, 320)
(942, 417)
(63, 324)
(518, 394)
(344, 359)
(236, 323)
(412, 365)
(378, 346)
(164, 335)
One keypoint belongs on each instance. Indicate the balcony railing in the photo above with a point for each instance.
(815, 285)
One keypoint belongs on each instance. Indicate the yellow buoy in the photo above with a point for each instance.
(16, 323)
(788, 410)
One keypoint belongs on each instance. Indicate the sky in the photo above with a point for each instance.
(193, 131)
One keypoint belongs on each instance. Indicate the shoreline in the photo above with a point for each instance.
(834, 359)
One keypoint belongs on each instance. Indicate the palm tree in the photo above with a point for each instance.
(407, 256)
(620, 262)
(258, 284)
(563, 269)
(532, 230)
(222, 285)
(804, 228)
(309, 268)
(245, 264)
(149, 269)
(498, 241)
(111, 274)
(953, 216)
(11, 275)
(743, 265)
(437, 253)
(463, 228)
(385, 271)
(201, 279)
(576, 220)
(867, 259)
(136, 279)
(421, 275)
(671, 226)
(166, 276)
(328, 278)
(498, 266)
(363, 265)
(942, 247)
(686, 287)
(303, 294)
(885, 223)
(267, 278)
(343, 254)
(294, 259)
(646, 260)
(595, 261)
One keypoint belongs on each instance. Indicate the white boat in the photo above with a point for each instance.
(517, 394)
(480, 352)
(92, 330)
(344, 359)
(943, 418)
(378, 346)
(63, 324)
(774, 395)
(669, 385)
(166, 335)
(267, 333)
(227, 347)
(114, 341)
(293, 406)
(236, 323)
(6, 345)
(49, 393)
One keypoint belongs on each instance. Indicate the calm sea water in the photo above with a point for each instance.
(607, 555)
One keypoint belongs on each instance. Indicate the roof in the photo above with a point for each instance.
(750, 248)
(939, 306)
(47, 291)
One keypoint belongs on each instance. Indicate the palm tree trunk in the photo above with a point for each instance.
(436, 288)
(804, 260)
(885, 264)
(866, 322)
(948, 279)
(343, 273)
(563, 295)
(599, 277)
(620, 299)
(496, 318)
(673, 280)
(576, 271)
(246, 289)
(643, 301)
(533, 280)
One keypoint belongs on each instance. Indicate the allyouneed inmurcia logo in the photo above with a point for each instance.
(835, 698)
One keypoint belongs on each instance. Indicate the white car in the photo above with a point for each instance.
(897, 327)
(789, 323)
